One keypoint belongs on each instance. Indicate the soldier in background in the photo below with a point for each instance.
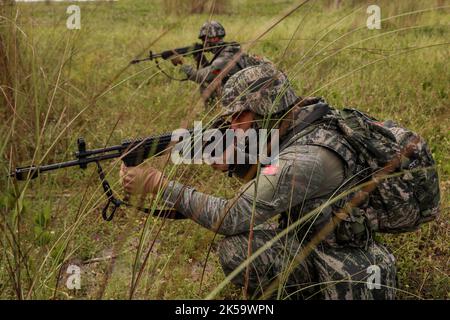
(312, 165)
(212, 36)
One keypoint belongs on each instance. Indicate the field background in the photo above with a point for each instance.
(59, 84)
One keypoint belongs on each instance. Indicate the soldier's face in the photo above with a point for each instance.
(242, 120)
(211, 42)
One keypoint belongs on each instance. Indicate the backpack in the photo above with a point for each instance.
(408, 195)
(249, 60)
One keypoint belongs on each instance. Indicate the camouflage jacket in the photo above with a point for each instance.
(206, 74)
(311, 169)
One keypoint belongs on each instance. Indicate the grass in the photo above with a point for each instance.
(59, 84)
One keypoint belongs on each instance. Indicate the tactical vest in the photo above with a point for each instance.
(394, 162)
(324, 133)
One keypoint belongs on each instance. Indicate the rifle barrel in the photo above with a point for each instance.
(23, 172)
(133, 151)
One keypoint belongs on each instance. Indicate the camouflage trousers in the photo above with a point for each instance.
(326, 273)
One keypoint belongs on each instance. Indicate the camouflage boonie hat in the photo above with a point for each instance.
(211, 29)
(261, 89)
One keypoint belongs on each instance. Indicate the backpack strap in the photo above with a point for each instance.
(319, 111)
(222, 47)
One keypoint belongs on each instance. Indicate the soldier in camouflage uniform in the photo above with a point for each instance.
(313, 165)
(212, 36)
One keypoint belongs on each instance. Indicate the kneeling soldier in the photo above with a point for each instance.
(314, 162)
(227, 60)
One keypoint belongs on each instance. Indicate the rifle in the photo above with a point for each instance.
(131, 151)
(196, 50)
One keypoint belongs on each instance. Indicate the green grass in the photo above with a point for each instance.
(78, 83)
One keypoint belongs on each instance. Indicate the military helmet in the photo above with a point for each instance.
(262, 89)
(211, 29)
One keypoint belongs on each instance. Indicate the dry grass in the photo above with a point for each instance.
(58, 84)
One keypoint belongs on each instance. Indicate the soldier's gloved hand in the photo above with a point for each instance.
(142, 179)
(176, 60)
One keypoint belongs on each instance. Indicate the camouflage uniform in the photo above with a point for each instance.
(311, 168)
(224, 53)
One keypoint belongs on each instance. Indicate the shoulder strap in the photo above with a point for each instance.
(216, 55)
(320, 110)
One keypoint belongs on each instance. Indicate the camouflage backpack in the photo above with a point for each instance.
(408, 195)
(248, 60)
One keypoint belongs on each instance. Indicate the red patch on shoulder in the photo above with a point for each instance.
(269, 170)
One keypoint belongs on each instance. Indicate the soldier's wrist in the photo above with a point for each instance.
(172, 193)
